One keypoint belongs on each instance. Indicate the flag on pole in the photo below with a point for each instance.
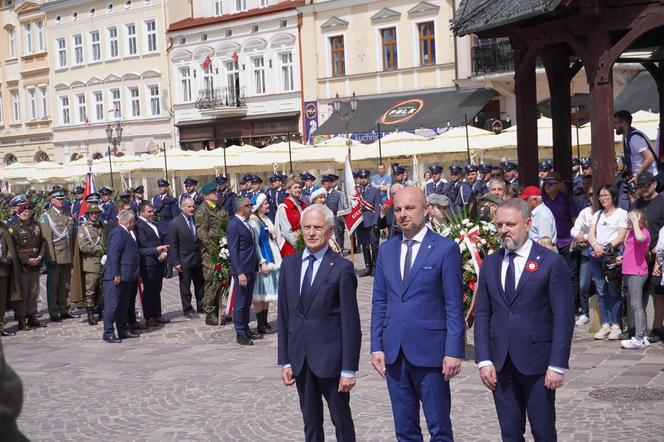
(230, 301)
(416, 171)
(350, 203)
(90, 188)
(234, 56)
(207, 62)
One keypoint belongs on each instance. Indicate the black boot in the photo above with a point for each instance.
(264, 327)
(374, 258)
(366, 251)
(169, 271)
(34, 322)
(22, 324)
(91, 316)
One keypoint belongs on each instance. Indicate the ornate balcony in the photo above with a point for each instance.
(223, 101)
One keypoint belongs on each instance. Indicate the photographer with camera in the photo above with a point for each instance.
(607, 233)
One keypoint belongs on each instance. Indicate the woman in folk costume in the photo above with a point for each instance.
(269, 260)
(287, 220)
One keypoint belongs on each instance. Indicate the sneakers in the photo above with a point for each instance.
(635, 343)
(603, 332)
(614, 335)
(583, 320)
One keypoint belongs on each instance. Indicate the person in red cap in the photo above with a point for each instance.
(543, 228)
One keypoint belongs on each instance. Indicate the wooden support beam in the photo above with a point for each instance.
(656, 70)
(525, 88)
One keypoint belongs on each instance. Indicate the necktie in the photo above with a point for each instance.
(192, 228)
(305, 291)
(408, 262)
(510, 279)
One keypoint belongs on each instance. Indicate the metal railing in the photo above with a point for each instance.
(219, 97)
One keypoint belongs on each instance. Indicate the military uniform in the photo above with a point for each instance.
(367, 232)
(91, 246)
(58, 231)
(10, 274)
(432, 188)
(209, 224)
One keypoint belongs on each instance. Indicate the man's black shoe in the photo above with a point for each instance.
(244, 340)
(655, 335)
(56, 318)
(253, 335)
(211, 320)
(129, 335)
(69, 316)
(191, 314)
(112, 340)
(5, 333)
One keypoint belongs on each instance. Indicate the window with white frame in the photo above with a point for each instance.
(40, 36)
(78, 48)
(131, 39)
(264, 3)
(95, 45)
(286, 71)
(82, 111)
(185, 83)
(259, 74)
(115, 101)
(32, 103)
(217, 8)
(113, 51)
(151, 35)
(232, 80)
(62, 52)
(240, 5)
(11, 34)
(64, 107)
(208, 79)
(135, 101)
(28, 38)
(44, 102)
(16, 107)
(99, 105)
(155, 103)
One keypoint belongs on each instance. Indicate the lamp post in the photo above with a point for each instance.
(115, 141)
(348, 114)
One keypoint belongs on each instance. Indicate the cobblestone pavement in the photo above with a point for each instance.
(180, 383)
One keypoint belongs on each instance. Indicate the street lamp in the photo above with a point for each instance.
(115, 141)
(346, 116)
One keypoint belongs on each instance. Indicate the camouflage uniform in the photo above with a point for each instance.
(92, 248)
(209, 224)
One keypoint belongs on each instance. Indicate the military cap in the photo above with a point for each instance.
(275, 177)
(491, 198)
(545, 166)
(190, 182)
(455, 170)
(472, 168)
(364, 173)
(355, 175)
(220, 179)
(436, 169)
(333, 176)
(586, 163)
(125, 196)
(78, 190)
(255, 179)
(93, 198)
(208, 188)
(245, 178)
(436, 199)
(486, 168)
(139, 189)
(326, 179)
(18, 200)
(508, 165)
(162, 183)
(576, 162)
(57, 193)
(398, 170)
(57, 187)
(105, 191)
(283, 177)
(306, 176)
(93, 207)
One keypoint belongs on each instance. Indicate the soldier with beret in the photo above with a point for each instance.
(57, 228)
(76, 207)
(275, 195)
(10, 276)
(89, 249)
(165, 210)
(453, 190)
(473, 186)
(31, 249)
(190, 188)
(437, 184)
(367, 233)
(107, 205)
(225, 197)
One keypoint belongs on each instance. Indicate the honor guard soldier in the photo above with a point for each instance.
(57, 228)
(256, 185)
(66, 204)
(225, 197)
(31, 250)
(14, 203)
(275, 195)
(367, 234)
(87, 263)
(437, 184)
(485, 173)
(308, 180)
(511, 173)
(332, 202)
(93, 198)
(453, 189)
(473, 187)
(76, 207)
(245, 185)
(190, 187)
(210, 218)
(398, 174)
(165, 209)
(544, 167)
(107, 205)
(137, 199)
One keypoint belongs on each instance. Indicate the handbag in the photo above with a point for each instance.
(610, 265)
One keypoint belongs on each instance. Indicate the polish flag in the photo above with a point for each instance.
(90, 187)
(207, 62)
(350, 203)
(234, 56)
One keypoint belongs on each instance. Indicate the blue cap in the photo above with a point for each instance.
(18, 200)
(124, 196)
(57, 188)
(246, 178)
(105, 191)
(78, 190)
(220, 179)
(275, 177)
(508, 165)
(364, 173)
(139, 189)
(93, 198)
(329, 178)
(255, 179)
(586, 163)
(486, 168)
(472, 168)
(436, 169)
(398, 170)
(208, 188)
(576, 162)
(455, 170)
(162, 183)
(545, 166)
(306, 176)
(190, 182)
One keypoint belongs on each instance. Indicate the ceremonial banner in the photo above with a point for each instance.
(350, 206)
(90, 187)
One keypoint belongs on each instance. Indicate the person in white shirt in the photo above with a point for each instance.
(580, 233)
(639, 156)
(543, 228)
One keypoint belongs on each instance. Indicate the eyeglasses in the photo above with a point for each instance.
(642, 185)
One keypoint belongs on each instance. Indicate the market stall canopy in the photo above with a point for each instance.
(337, 142)
(429, 110)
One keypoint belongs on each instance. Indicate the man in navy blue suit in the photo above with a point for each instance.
(244, 265)
(417, 323)
(523, 326)
(319, 327)
(120, 277)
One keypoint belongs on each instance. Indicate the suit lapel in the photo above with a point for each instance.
(324, 269)
(422, 255)
(535, 255)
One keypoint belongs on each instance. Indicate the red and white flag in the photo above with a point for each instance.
(207, 62)
(350, 203)
(234, 56)
(230, 302)
(90, 187)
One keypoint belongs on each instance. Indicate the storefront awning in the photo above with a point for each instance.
(427, 110)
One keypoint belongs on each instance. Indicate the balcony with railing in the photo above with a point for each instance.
(228, 101)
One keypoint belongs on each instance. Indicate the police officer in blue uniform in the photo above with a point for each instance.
(328, 182)
(544, 167)
(107, 205)
(225, 197)
(308, 180)
(437, 185)
(76, 207)
(256, 185)
(473, 187)
(511, 172)
(453, 190)
(367, 233)
(275, 195)
(191, 192)
(245, 186)
(137, 200)
(165, 208)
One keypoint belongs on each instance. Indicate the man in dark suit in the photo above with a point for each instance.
(417, 323)
(319, 327)
(165, 211)
(184, 254)
(153, 260)
(244, 264)
(120, 277)
(367, 232)
(523, 326)
(437, 184)
(275, 195)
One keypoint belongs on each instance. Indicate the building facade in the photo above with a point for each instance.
(108, 65)
(235, 68)
(25, 108)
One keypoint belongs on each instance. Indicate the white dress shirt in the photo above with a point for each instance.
(418, 238)
(520, 259)
(128, 231)
(149, 223)
(544, 224)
